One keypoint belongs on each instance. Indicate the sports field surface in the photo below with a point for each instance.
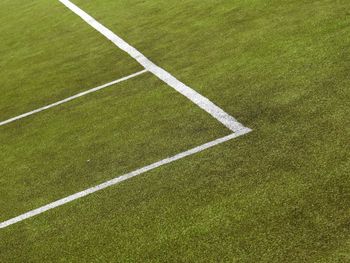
(175, 131)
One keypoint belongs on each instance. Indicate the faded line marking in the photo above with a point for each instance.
(73, 97)
(119, 179)
(165, 76)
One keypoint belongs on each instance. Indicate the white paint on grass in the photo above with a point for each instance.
(119, 179)
(72, 97)
(165, 76)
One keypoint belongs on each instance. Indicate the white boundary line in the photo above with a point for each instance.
(72, 97)
(194, 96)
(119, 179)
(165, 76)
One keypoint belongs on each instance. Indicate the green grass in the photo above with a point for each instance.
(278, 194)
(72, 147)
(46, 55)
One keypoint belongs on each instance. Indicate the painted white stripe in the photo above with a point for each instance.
(165, 76)
(119, 179)
(72, 97)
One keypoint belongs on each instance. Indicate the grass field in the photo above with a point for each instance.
(278, 194)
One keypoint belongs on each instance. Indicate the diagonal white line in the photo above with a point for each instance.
(119, 179)
(72, 97)
(194, 96)
(165, 76)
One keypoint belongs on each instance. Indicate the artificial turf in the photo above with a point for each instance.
(278, 194)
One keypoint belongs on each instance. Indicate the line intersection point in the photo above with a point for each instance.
(204, 103)
(72, 98)
(118, 179)
(201, 101)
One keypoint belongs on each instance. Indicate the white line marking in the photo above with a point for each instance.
(73, 97)
(165, 76)
(119, 179)
(194, 96)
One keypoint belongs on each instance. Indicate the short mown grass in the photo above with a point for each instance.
(278, 194)
(46, 55)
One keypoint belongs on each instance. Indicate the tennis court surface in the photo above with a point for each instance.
(174, 131)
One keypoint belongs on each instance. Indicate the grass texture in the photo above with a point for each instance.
(278, 194)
